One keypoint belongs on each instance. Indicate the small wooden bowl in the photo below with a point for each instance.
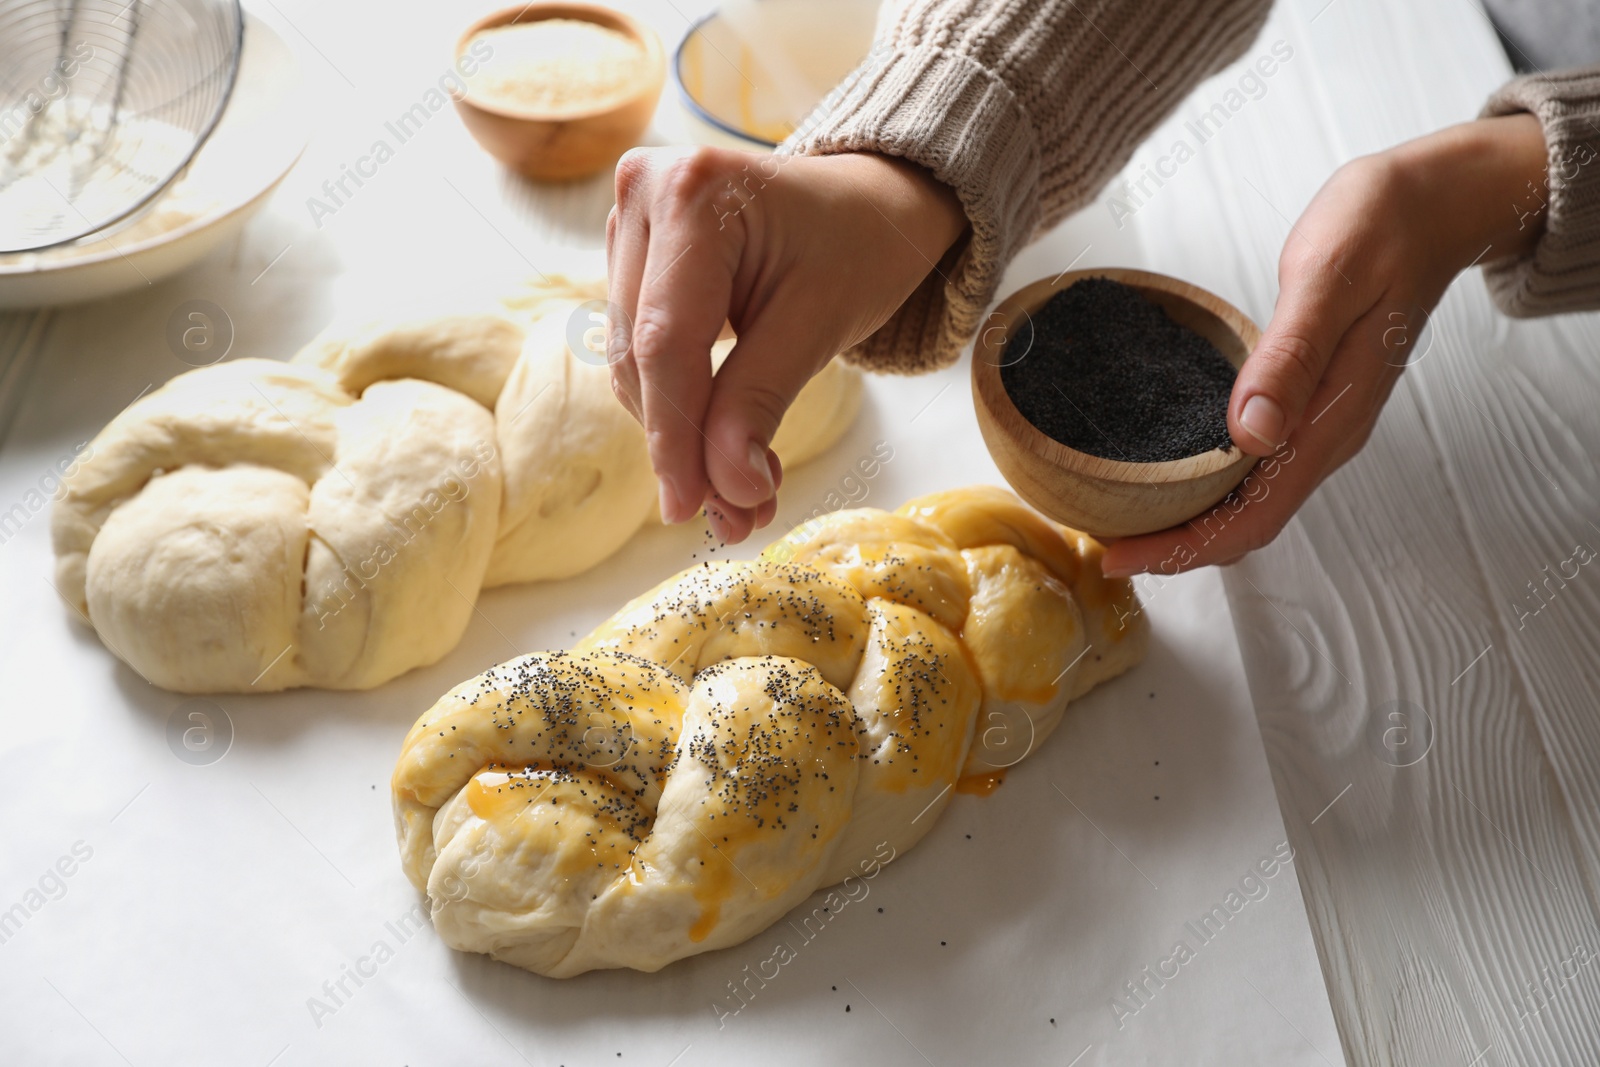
(572, 143)
(1104, 497)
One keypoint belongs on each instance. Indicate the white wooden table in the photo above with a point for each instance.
(1432, 719)
(1436, 893)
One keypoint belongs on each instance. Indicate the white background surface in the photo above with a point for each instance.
(219, 899)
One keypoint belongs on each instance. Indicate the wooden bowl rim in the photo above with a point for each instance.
(600, 15)
(988, 357)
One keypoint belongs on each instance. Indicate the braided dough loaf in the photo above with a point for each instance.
(748, 732)
(257, 525)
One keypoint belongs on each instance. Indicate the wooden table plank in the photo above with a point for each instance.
(1454, 898)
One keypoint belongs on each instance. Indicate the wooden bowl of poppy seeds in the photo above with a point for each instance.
(1103, 397)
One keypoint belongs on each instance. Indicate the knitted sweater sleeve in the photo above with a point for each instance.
(1562, 273)
(1026, 108)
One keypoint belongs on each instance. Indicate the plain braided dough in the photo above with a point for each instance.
(256, 525)
(749, 732)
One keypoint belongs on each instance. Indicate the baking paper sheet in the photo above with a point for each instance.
(243, 904)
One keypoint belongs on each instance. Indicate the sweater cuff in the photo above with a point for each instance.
(953, 117)
(1562, 273)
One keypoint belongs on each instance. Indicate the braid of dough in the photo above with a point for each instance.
(255, 525)
(748, 732)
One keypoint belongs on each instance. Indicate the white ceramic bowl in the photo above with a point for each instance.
(750, 71)
(257, 141)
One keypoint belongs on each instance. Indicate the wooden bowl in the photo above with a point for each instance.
(572, 143)
(1105, 497)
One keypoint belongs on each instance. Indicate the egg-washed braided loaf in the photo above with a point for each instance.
(749, 732)
(254, 525)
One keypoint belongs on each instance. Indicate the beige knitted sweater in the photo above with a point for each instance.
(1027, 108)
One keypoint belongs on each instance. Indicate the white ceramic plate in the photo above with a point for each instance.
(257, 141)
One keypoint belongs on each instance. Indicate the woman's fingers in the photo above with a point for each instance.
(627, 242)
(1371, 255)
(774, 358)
(1342, 411)
(1336, 262)
(730, 523)
(1248, 518)
(765, 512)
(705, 235)
(682, 304)
(675, 303)
(1316, 306)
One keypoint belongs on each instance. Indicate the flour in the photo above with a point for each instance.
(557, 65)
(71, 161)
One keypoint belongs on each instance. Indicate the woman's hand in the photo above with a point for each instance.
(1366, 263)
(803, 256)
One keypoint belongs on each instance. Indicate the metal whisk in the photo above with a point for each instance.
(103, 103)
